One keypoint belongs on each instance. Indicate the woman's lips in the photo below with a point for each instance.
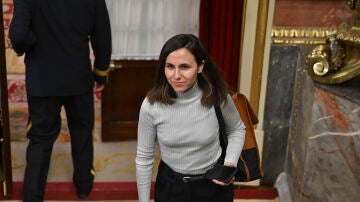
(178, 84)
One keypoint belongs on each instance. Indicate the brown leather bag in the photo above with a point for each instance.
(249, 167)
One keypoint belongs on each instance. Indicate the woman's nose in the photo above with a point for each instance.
(177, 73)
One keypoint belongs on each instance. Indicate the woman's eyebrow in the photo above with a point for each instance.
(184, 64)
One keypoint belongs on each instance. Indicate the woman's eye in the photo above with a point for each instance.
(169, 66)
(184, 66)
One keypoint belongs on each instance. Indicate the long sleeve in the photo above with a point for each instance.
(101, 42)
(235, 130)
(145, 152)
(21, 36)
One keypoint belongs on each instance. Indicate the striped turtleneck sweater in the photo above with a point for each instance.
(187, 134)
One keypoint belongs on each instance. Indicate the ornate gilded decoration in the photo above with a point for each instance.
(284, 35)
(352, 3)
(337, 60)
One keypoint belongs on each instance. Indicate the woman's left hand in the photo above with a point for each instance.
(222, 183)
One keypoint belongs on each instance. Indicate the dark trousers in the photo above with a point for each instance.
(43, 129)
(170, 187)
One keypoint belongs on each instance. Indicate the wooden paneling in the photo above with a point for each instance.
(127, 85)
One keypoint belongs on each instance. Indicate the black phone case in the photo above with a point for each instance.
(222, 173)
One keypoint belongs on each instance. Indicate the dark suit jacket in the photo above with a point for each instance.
(55, 36)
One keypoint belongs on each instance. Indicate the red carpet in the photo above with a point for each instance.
(125, 191)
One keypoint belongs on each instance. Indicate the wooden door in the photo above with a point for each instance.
(126, 88)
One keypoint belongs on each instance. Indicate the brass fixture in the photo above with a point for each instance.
(338, 60)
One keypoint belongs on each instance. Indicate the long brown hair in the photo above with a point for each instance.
(210, 81)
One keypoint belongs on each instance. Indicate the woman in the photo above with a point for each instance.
(178, 114)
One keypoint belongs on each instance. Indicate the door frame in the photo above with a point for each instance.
(5, 156)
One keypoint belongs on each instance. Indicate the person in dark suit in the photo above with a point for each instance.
(55, 38)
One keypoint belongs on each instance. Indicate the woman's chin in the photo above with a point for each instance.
(180, 90)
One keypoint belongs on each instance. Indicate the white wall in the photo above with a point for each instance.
(247, 63)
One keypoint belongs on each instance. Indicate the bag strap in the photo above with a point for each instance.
(222, 135)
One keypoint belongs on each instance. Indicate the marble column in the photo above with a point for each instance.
(286, 59)
(323, 155)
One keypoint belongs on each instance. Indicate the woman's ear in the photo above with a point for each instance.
(201, 67)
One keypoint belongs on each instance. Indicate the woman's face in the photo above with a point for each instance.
(181, 69)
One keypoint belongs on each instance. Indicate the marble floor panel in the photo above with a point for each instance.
(113, 161)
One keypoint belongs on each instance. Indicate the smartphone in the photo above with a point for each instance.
(222, 173)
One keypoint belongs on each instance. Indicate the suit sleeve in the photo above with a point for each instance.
(101, 42)
(21, 36)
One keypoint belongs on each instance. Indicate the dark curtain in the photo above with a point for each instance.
(220, 32)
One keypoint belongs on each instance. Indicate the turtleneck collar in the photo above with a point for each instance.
(191, 93)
